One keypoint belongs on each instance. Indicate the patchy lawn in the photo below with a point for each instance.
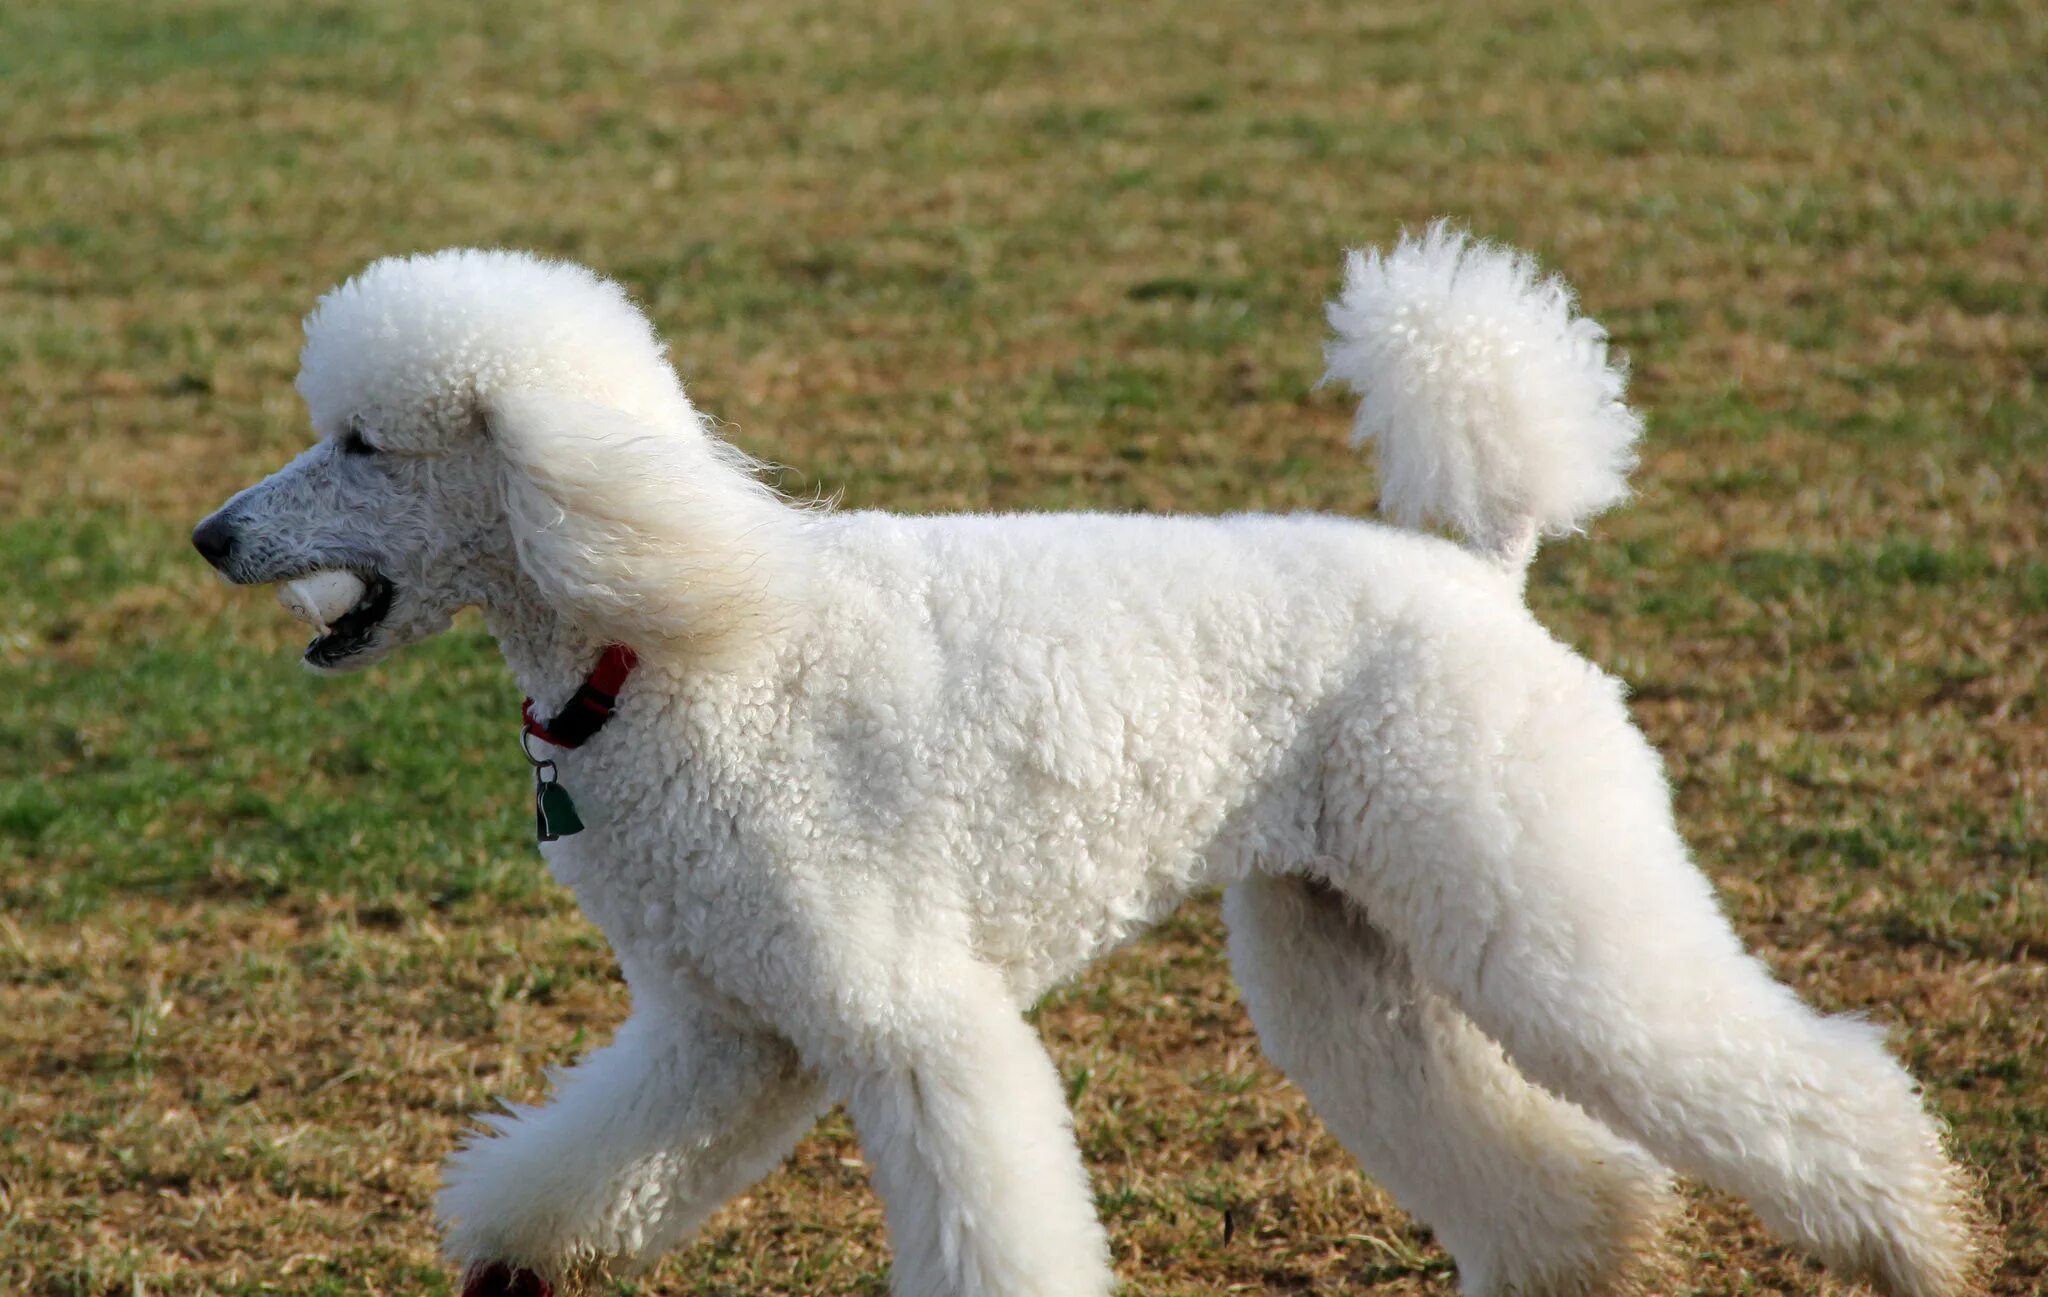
(265, 940)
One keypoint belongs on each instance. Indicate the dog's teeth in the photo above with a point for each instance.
(320, 599)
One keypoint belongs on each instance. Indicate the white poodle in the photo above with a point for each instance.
(855, 789)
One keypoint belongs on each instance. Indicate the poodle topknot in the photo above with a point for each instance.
(878, 782)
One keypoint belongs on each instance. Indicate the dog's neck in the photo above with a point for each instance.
(549, 655)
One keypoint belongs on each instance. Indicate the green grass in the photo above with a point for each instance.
(265, 939)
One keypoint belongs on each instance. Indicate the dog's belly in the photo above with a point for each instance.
(1057, 874)
(1062, 925)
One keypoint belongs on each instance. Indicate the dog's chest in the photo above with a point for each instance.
(658, 864)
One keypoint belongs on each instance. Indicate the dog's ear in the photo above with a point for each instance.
(658, 536)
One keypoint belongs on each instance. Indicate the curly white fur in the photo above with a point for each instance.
(881, 781)
(1494, 407)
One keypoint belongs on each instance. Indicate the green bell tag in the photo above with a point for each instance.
(554, 812)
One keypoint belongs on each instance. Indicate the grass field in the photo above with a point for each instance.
(265, 939)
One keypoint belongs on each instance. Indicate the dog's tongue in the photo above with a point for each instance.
(320, 599)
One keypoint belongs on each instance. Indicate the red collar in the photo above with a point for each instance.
(590, 706)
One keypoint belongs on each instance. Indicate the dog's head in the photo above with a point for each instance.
(488, 421)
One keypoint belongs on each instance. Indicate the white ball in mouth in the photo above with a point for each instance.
(321, 599)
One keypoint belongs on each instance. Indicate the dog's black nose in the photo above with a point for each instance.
(214, 539)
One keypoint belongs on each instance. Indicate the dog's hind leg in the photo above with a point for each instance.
(1530, 1195)
(642, 1140)
(1515, 839)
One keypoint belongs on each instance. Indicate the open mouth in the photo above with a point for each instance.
(349, 631)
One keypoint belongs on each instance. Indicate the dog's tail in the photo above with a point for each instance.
(1495, 407)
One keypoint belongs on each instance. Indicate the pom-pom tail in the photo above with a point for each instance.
(1494, 407)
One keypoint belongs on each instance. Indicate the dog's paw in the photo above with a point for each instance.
(497, 1279)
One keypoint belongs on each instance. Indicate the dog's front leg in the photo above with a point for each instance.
(643, 1140)
(963, 1118)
